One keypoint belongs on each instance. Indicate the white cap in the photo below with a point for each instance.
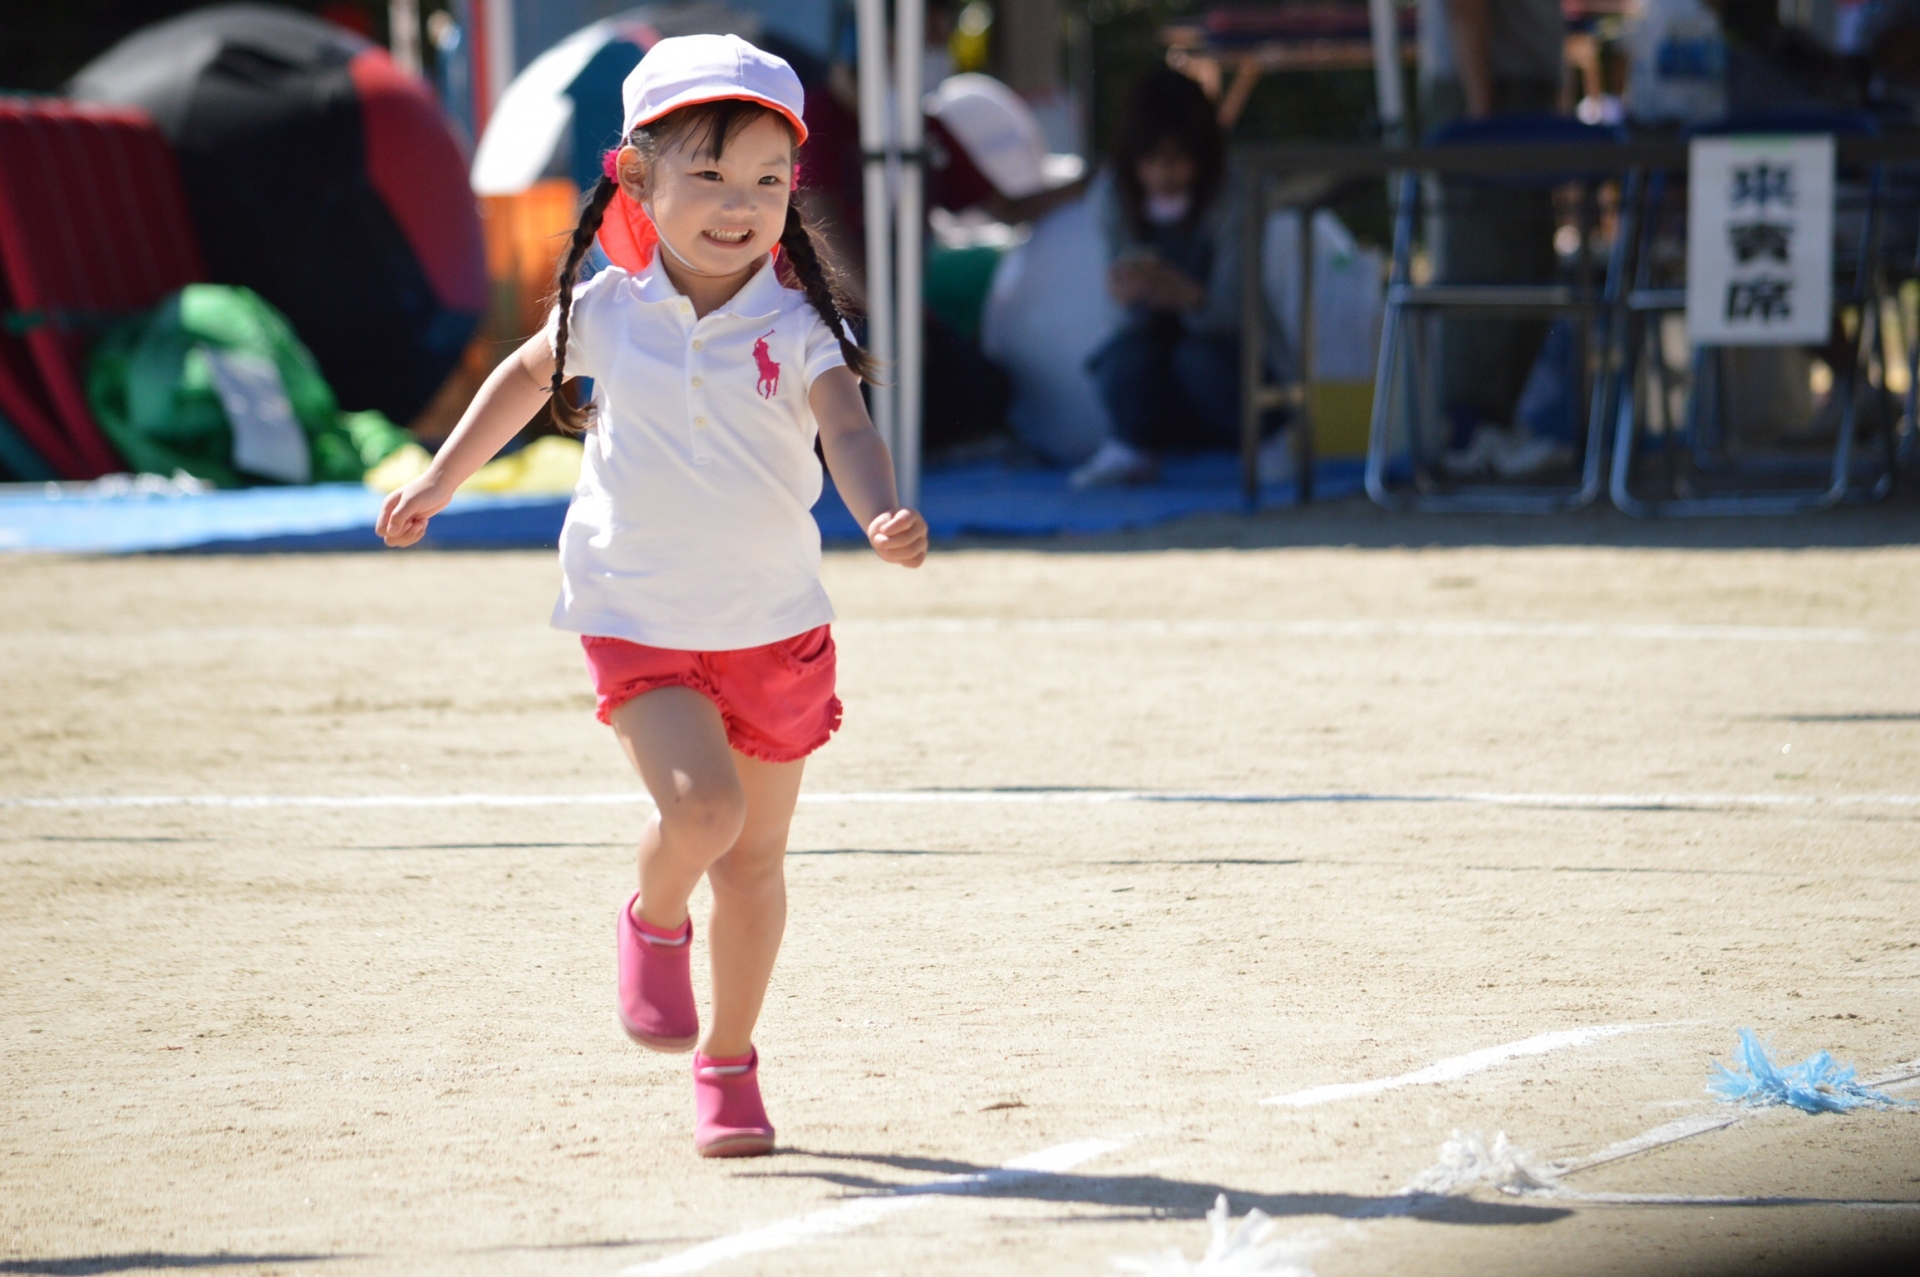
(1001, 135)
(686, 70)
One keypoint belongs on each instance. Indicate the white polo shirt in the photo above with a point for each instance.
(692, 524)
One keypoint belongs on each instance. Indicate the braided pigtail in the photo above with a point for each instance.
(824, 290)
(571, 419)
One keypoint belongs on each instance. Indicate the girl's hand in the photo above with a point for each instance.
(899, 536)
(1168, 287)
(1149, 282)
(1127, 280)
(403, 517)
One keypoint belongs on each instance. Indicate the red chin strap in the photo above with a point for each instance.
(627, 235)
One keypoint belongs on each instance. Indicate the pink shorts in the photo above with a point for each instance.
(777, 701)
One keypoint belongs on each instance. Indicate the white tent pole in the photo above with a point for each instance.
(871, 16)
(1386, 70)
(910, 38)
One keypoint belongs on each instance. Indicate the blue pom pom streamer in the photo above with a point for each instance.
(1818, 1084)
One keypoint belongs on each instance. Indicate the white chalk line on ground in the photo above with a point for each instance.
(921, 797)
(861, 1211)
(1144, 627)
(1150, 627)
(1458, 1066)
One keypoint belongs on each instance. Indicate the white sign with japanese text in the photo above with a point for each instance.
(1760, 240)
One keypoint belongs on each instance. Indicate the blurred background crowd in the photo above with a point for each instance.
(284, 243)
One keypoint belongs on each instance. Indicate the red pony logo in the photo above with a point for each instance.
(769, 383)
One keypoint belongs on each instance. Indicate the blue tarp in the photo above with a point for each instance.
(979, 500)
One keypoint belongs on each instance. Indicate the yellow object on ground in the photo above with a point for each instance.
(402, 466)
(1342, 415)
(549, 466)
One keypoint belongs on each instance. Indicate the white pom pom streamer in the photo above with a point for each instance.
(1468, 1161)
(1240, 1249)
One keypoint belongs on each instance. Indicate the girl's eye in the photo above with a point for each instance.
(708, 174)
(769, 180)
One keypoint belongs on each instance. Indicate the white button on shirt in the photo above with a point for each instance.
(692, 525)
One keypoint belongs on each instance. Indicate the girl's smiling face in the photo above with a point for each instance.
(721, 213)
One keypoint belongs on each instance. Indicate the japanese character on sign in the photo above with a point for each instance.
(1764, 299)
(1762, 184)
(1751, 240)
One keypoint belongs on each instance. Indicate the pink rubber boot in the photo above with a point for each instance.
(656, 984)
(729, 1119)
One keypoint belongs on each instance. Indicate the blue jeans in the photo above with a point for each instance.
(1168, 390)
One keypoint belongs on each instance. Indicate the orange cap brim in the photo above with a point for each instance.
(783, 111)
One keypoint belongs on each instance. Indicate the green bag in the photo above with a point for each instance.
(957, 283)
(214, 382)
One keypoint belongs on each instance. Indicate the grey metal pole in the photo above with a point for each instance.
(497, 19)
(910, 38)
(1303, 441)
(871, 16)
(1252, 341)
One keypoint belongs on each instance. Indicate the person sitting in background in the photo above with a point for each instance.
(1170, 377)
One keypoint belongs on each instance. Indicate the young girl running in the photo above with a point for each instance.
(690, 559)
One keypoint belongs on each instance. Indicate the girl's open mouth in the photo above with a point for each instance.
(730, 238)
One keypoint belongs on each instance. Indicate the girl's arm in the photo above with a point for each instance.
(506, 402)
(862, 470)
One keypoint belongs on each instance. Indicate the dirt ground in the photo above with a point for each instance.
(1522, 780)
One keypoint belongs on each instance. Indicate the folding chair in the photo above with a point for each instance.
(1701, 463)
(1407, 370)
(93, 226)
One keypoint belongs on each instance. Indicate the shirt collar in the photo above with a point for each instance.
(758, 298)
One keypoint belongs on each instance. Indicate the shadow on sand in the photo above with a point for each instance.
(85, 1265)
(1155, 1196)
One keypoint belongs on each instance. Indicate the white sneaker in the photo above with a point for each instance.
(1497, 452)
(1519, 456)
(1114, 465)
(1274, 462)
(1475, 461)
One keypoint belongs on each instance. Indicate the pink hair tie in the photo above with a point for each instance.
(610, 164)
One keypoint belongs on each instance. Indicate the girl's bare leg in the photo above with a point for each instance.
(750, 904)
(723, 814)
(678, 744)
